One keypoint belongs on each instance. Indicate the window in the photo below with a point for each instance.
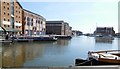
(28, 23)
(8, 8)
(8, 14)
(19, 16)
(32, 24)
(35, 28)
(4, 13)
(19, 11)
(16, 21)
(41, 22)
(42, 29)
(4, 19)
(27, 19)
(7, 3)
(3, 2)
(16, 16)
(32, 20)
(4, 25)
(19, 21)
(16, 26)
(8, 19)
(4, 7)
(8, 25)
(16, 10)
(19, 26)
(16, 6)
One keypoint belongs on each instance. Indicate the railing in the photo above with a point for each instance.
(106, 51)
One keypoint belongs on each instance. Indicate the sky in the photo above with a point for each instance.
(81, 15)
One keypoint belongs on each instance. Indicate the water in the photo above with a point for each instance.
(59, 53)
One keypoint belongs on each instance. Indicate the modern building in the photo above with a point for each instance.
(76, 32)
(33, 24)
(11, 16)
(58, 28)
(55, 27)
(104, 31)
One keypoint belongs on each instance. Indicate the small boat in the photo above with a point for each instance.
(109, 57)
(5, 41)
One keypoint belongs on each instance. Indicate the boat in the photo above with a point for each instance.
(50, 38)
(62, 36)
(35, 38)
(5, 41)
(109, 57)
(23, 40)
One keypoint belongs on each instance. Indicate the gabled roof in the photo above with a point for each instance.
(19, 4)
(33, 13)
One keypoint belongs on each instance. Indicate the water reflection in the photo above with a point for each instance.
(0, 56)
(63, 42)
(57, 48)
(14, 55)
(118, 43)
(103, 40)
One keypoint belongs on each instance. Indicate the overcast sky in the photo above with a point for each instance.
(81, 15)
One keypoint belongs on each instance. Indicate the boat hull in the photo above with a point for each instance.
(27, 39)
(81, 62)
(114, 61)
(109, 57)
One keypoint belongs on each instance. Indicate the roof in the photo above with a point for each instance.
(54, 21)
(66, 22)
(33, 13)
(19, 4)
(104, 27)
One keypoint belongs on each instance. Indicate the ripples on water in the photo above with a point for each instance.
(59, 53)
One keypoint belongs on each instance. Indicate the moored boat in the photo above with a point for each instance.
(34, 38)
(50, 38)
(5, 41)
(62, 36)
(109, 57)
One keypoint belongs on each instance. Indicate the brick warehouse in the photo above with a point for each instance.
(20, 21)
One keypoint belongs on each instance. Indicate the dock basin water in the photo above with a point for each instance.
(62, 52)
